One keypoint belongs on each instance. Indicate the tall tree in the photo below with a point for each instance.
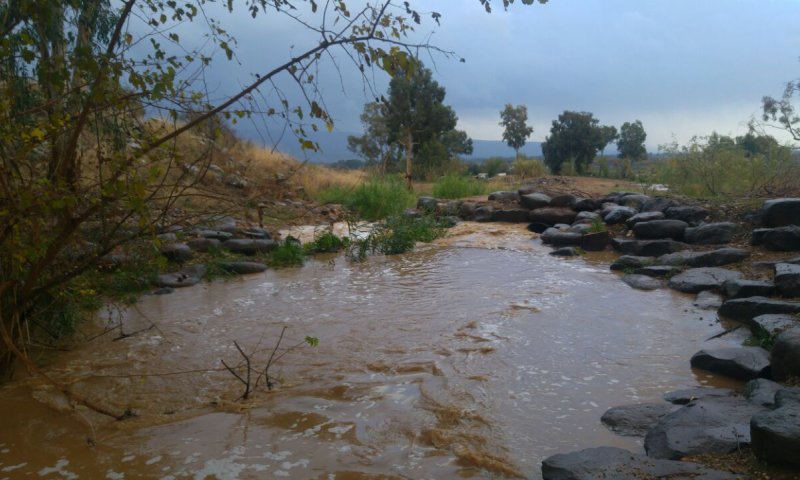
(418, 120)
(373, 145)
(609, 135)
(631, 141)
(575, 137)
(782, 110)
(516, 131)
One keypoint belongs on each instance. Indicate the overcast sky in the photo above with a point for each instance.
(683, 67)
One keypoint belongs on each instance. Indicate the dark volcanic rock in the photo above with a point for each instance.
(712, 258)
(781, 239)
(243, 268)
(552, 215)
(707, 300)
(774, 324)
(787, 279)
(761, 391)
(709, 425)
(641, 282)
(744, 363)
(533, 201)
(203, 244)
(177, 252)
(586, 216)
(776, 434)
(646, 248)
(635, 420)
(781, 212)
(619, 464)
(627, 262)
(482, 214)
(565, 200)
(467, 209)
(186, 277)
(526, 189)
(746, 309)
(710, 233)
(249, 246)
(538, 227)
(689, 214)
(558, 238)
(427, 204)
(696, 280)
(658, 229)
(511, 215)
(643, 217)
(586, 205)
(657, 204)
(657, 271)
(633, 200)
(619, 215)
(256, 233)
(504, 196)
(785, 355)
(565, 252)
(740, 288)
(682, 397)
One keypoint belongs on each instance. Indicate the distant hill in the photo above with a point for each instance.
(497, 148)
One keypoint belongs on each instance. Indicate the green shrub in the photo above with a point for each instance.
(457, 186)
(529, 168)
(289, 253)
(381, 197)
(326, 243)
(397, 234)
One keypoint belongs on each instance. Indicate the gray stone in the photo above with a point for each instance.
(746, 309)
(776, 434)
(565, 252)
(646, 248)
(427, 204)
(743, 363)
(644, 217)
(641, 282)
(787, 279)
(163, 291)
(774, 324)
(711, 258)
(659, 229)
(467, 209)
(658, 204)
(565, 200)
(204, 244)
(526, 189)
(552, 215)
(249, 246)
(635, 420)
(629, 262)
(581, 228)
(167, 237)
(215, 234)
(186, 277)
(256, 233)
(689, 214)
(619, 215)
(633, 200)
(533, 201)
(586, 216)
(696, 280)
(504, 196)
(708, 300)
(177, 252)
(682, 397)
(781, 239)
(619, 464)
(708, 425)
(538, 227)
(226, 224)
(243, 268)
(657, 271)
(761, 391)
(785, 355)
(482, 214)
(586, 204)
(557, 238)
(781, 212)
(710, 233)
(786, 396)
(740, 288)
(511, 215)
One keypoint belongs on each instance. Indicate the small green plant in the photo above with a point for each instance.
(377, 198)
(761, 338)
(288, 253)
(529, 168)
(597, 226)
(397, 234)
(457, 186)
(326, 243)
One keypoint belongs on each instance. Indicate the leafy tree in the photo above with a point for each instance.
(91, 97)
(417, 119)
(631, 141)
(609, 135)
(373, 146)
(516, 131)
(575, 137)
(782, 110)
(755, 144)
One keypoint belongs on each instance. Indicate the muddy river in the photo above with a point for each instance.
(458, 360)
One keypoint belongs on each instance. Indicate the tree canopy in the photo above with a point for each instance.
(631, 141)
(514, 121)
(575, 139)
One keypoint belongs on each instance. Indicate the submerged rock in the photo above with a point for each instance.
(629, 262)
(619, 464)
(185, 277)
(243, 268)
(707, 300)
(682, 397)
(565, 252)
(641, 282)
(635, 420)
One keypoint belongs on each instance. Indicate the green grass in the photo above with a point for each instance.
(289, 253)
(377, 198)
(325, 243)
(397, 234)
(458, 186)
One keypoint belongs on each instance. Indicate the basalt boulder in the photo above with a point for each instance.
(177, 252)
(710, 233)
(781, 212)
(660, 229)
(740, 288)
(586, 204)
(712, 258)
(690, 214)
(635, 420)
(785, 355)
(746, 309)
(696, 280)
(646, 248)
(643, 217)
(558, 238)
(657, 271)
(743, 363)
(186, 277)
(629, 262)
(776, 434)
(658, 204)
(503, 196)
(787, 279)
(781, 239)
(761, 391)
(533, 201)
(242, 267)
(641, 282)
(566, 200)
(774, 324)
(511, 215)
(619, 214)
(634, 200)
(552, 215)
(204, 244)
(249, 246)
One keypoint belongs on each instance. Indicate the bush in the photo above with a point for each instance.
(287, 254)
(377, 198)
(397, 234)
(529, 168)
(326, 243)
(457, 186)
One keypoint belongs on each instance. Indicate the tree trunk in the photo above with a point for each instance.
(409, 146)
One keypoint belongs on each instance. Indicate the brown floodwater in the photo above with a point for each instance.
(475, 357)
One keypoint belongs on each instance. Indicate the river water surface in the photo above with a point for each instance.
(458, 360)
